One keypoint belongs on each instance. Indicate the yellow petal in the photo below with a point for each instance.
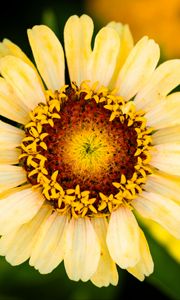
(23, 79)
(48, 249)
(145, 266)
(106, 272)
(167, 135)
(11, 106)
(126, 45)
(18, 244)
(9, 156)
(82, 250)
(123, 238)
(11, 176)
(19, 208)
(160, 209)
(166, 113)
(164, 184)
(164, 79)
(103, 59)
(163, 237)
(166, 157)
(9, 48)
(77, 38)
(138, 68)
(48, 54)
(10, 136)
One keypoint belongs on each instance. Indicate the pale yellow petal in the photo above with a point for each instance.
(167, 135)
(164, 79)
(49, 56)
(9, 48)
(126, 45)
(145, 266)
(163, 237)
(125, 36)
(166, 157)
(160, 209)
(123, 238)
(11, 106)
(11, 176)
(23, 79)
(48, 250)
(166, 113)
(102, 62)
(10, 136)
(13, 190)
(82, 250)
(106, 272)
(18, 244)
(174, 249)
(164, 184)
(138, 68)
(18, 208)
(77, 38)
(9, 156)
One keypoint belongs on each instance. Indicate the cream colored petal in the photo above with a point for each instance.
(163, 237)
(166, 113)
(160, 209)
(18, 244)
(138, 68)
(145, 266)
(11, 176)
(174, 147)
(166, 157)
(82, 250)
(10, 136)
(103, 60)
(48, 250)
(125, 36)
(23, 79)
(164, 184)
(77, 38)
(167, 135)
(19, 208)
(49, 56)
(123, 238)
(9, 156)
(126, 45)
(106, 272)
(11, 106)
(164, 79)
(9, 48)
(11, 191)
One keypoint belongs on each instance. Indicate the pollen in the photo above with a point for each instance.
(87, 150)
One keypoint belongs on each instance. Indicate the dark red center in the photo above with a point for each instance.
(79, 114)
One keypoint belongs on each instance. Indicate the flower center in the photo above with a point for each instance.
(87, 150)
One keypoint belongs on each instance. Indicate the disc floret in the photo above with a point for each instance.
(89, 149)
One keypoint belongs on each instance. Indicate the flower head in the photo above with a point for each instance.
(83, 155)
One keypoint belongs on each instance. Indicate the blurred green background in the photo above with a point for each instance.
(23, 282)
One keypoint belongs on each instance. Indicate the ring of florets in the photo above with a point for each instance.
(75, 201)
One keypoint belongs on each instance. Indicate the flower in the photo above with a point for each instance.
(83, 156)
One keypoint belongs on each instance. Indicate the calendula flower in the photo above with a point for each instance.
(87, 154)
